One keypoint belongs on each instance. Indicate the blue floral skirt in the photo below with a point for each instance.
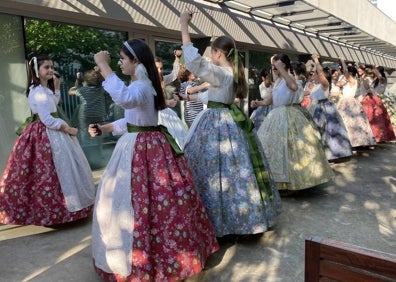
(217, 153)
(332, 129)
(259, 114)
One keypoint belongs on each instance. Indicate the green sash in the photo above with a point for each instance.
(246, 124)
(161, 128)
(29, 120)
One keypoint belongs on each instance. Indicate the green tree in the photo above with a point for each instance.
(69, 44)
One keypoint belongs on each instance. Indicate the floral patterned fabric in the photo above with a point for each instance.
(332, 129)
(378, 117)
(356, 122)
(218, 156)
(294, 150)
(291, 141)
(30, 191)
(172, 234)
(354, 117)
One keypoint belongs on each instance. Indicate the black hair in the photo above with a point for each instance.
(327, 73)
(267, 77)
(284, 59)
(145, 56)
(352, 70)
(382, 72)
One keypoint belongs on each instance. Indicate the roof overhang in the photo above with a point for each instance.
(322, 20)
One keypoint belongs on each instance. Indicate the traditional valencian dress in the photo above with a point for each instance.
(335, 139)
(228, 165)
(292, 142)
(149, 223)
(355, 118)
(377, 114)
(47, 179)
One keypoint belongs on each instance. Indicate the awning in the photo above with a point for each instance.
(318, 19)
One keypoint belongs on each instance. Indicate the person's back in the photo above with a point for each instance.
(227, 164)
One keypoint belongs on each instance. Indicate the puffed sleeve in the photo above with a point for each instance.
(201, 67)
(43, 103)
(119, 126)
(173, 75)
(125, 97)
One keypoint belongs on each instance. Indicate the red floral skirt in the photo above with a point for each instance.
(379, 118)
(172, 235)
(30, 192)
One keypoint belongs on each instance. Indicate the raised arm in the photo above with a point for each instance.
(344, 68)
(185, 18)
(102, 60)
(319, 70)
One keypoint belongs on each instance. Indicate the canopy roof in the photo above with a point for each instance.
(359, 25)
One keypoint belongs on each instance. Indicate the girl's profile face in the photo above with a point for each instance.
(273, 67)
(46, 70)
(127, 66)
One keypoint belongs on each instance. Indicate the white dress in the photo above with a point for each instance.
(71, 165)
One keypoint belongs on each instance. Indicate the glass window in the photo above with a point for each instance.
(164, 51)
(83, 99)
(257, 61)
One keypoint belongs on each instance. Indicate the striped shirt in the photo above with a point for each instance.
(191, 108)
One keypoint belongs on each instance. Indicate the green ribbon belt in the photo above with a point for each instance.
(246, 124)
(162, 129)
(29, 120)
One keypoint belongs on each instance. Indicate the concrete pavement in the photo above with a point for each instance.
(357, 207)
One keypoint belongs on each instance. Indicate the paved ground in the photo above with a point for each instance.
(358, 207)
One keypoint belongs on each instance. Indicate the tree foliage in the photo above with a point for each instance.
(69, 44)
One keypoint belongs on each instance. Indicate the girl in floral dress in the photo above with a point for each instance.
(376, 112)
(228, 165)
(47, 179)
(149, 223)
(290, 139)
(352, 112)
(335, 138)
(379, 86)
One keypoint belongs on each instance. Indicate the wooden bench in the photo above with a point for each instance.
(328, 260)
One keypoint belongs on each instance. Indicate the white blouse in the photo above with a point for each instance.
(318, 93)
(221, 79)
(137, 99)
(43, 101)
(283, 95)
